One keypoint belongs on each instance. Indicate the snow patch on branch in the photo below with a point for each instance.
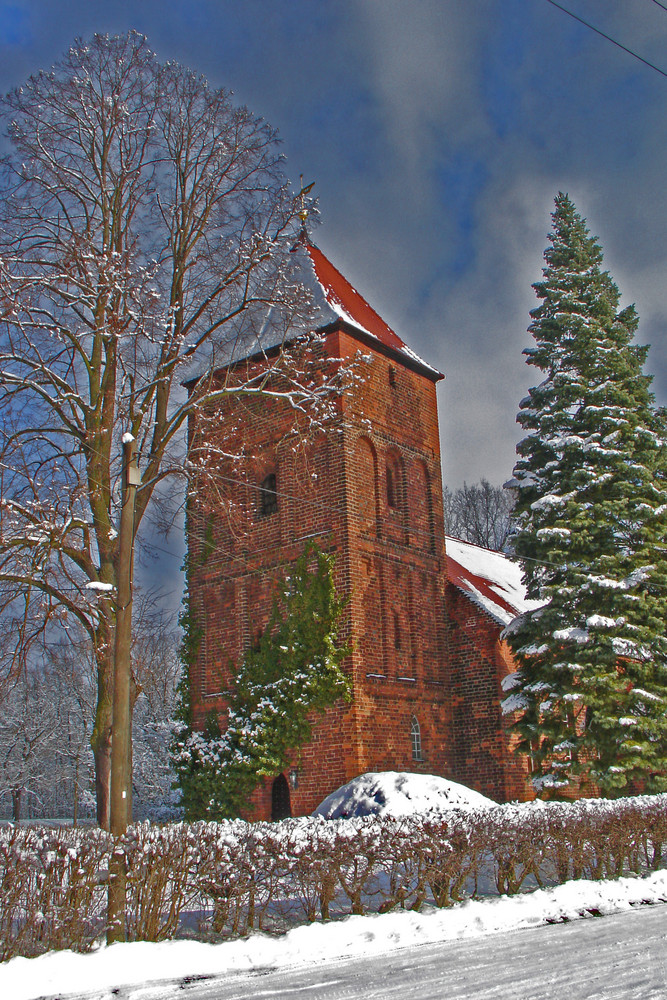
(553, 533)
(513, 703)
(578, 635)
(551, 500)
(600, 621)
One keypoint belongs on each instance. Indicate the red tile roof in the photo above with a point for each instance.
(342, 296)
(469, 583)
(489, 579)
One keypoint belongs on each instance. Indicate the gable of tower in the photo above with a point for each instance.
(339, 306)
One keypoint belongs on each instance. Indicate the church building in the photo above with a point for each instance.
(424, 614)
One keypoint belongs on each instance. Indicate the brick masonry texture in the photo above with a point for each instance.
(367, 487)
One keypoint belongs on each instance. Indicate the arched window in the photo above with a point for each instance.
(268, 497)
(365, 464)
(416, 739)
(281, 807)
(425, 498)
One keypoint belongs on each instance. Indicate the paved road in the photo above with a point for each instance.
(622, 957)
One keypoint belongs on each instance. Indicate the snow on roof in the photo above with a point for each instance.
(490, 579)
(398, 793)
(343, 302)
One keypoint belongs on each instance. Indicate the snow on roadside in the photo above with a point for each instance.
(64, 973)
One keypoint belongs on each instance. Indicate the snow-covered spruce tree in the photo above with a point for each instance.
(591, 690)
(293, 671)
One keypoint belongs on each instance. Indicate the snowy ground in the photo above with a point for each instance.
(621, 957)
(312, 954)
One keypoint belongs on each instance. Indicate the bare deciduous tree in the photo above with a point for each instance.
(480, 514)
(46, 716)
(28, 736)
(145, 229)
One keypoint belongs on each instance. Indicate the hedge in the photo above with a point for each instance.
(221, 880)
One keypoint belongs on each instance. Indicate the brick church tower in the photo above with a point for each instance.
(369, 489)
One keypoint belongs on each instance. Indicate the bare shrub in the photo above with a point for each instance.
(454, 854)
(52, 892)
(266, 876)
(237, 875)
(160, 862)
(517, 847)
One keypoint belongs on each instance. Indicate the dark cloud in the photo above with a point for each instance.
(437, 133)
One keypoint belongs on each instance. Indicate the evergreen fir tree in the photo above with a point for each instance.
(591, 690)
(293, 671)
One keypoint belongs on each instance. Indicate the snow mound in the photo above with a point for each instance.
(397, 793)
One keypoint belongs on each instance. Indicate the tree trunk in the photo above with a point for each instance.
(102, 754)
(135, 691)
(121, 743)
(17, 794)
(101, 744)
(75, 811)
(100, 739)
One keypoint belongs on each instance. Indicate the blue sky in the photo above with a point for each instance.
(437, 133)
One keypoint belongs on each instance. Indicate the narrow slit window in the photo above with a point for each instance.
(391, 487)
(416, 739)
(268, 496)
(398, 639)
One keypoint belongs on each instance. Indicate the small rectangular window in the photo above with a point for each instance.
(391, 488)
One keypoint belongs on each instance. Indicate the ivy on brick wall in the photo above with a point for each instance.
(293, 670)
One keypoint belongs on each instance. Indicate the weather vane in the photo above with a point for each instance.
(303, 211)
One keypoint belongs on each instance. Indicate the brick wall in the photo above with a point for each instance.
(368, 488)
(424, 660)
(484, 755)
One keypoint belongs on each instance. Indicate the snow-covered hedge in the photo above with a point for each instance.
(52, 891)
(215, 880)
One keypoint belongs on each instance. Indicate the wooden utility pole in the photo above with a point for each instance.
(121, 732)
